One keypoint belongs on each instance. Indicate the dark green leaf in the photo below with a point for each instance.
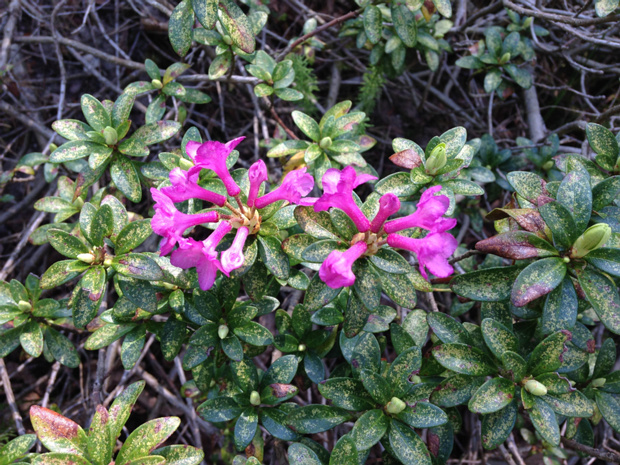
(602, 294)
(312, 419)
(492, 396)
(496, 427)
(464, 359)
(486, 285)
(237, 25)
(407, 446)
(538, 279)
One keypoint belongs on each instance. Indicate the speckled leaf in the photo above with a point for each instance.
(16, 448)
(254, 334)
(416, 325)
(575, 194)
(206, 12)
(464, 359)
(496, 427)
(604, 144)
(570, 404)
(302, 455)
(31, 338)
(537, 279)
(172, 338)
(390, 261)
(545, 421)
(547, 356)
(59, 458)
(106, 335)
(517, 245)
(125, 176)
(366, 284)
(527, 184)
(498, 338)
(514, 365)
(132, 346)
(180, 27)
(180, 455)
(444, 7)
(401, 339)
(148, 460)
(344, 452)
(318, 294)
(346, 393)
(401, 288)
(447, 328)
(132, 235)
(307, 125)
(561, 222)
(245, 428)
(373, 23)
(605, 7)
(405, 24)
(87, 296)
(407, 445)
(318, 251)
(61, 348)
(605, 359)
(312, 419)
(605, 259)
(492, 396)
(366, 354)
(423, 415)
(369, 429)
(379, 320)
(609, 408)
(456, 390)
(317, 224)
(95, 113)
(602, 294)
(377, 386)
(56, 432)
(486, 285)
(146, 437)
(237, 25)
(281, 371)
(605, 192)
(139, 292)
(157, 132)
(398, 184)
(560, 310)
(71, 129)
(99, 446)
(274, 257)
(342, 223)
(137, 265)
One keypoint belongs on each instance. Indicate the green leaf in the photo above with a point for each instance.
(423, 415)
(464, 359)
(444, 7)
(318, 294)
(121, 409)
(515, 365)
(180, 455)
(545, 421)
(146, 437)
(87, 296)
(288, 95)
(56, 432)
(77, 149)
(521, 75)
(99, 446)
(366, 285)
(548, 355)
(448, 329)
(16, 448)
(274, 258)
(369, 429)
(496, 427)
(122, 109)
(373, 23)
(344, 452)
(65, 243)
(180, 27)
(137, 265)
(102, 225)
(95, 113)
(172, 338)
(281, 371)
(220, 65)
(132, 346)
(400, 287)
(486, 285)
(245, 428)
(106, 335)
(157, 132)
(125, 176)
(498, 338)
(605, 192)
(602, 294)
(307, 125)
(59, 458)
(609, 408)
(604, 144)
(316, 224)
(398, 184)
(139, 292)
(346, 393)
(456, 390)
(492, 396)
(312, 419)
(405, 24)
(366, 354)
(254, 334)
(61, 348)
(537, 279)
(575, 194)
(132, 235)
(570, 404)
(606, 359)
(302, 455)
(390, 261)
(560, 310)
(561, 222)
(378, 387)
(71, 129)
(605, 259)
(237, 25)
(135, 147)
(527, 184)
(407, 446)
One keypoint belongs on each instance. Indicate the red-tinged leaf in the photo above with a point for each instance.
(517, 245)
(408, 159)
(56, 432)
(528, 218)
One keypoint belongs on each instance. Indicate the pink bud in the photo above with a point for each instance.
(232, 258)
(336, 270)
(388, 205)
(257, 175)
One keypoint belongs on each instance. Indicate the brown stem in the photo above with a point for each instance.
(467, 254)
(288, 130)
(598, 453)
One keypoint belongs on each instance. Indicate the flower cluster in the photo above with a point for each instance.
(171, 224)
(432, 251)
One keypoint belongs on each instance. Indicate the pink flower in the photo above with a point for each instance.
(338, 192)
(432, 251)
(202, 255)
(185, 187)
(171, 223)
(212, 155)
(295, 185)
(336, 270)
(388, 205)
(428, 215)
(232, 258)
(257, 175)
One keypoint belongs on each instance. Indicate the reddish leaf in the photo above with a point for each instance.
(408, 159)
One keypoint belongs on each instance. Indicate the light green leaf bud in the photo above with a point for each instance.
(395, 406)
(157, 84)
(505, 57)
(598, 382)
(222, 331)
(110, 136)
(255, 398)
(24, 306)
(301, 347)
(593, 238)
(86, 257)
(437, 160)
(326, 142)
(535, 387)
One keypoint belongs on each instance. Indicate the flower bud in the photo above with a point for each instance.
(326, 142)
(535, 387)
(255, 398)
(593, 238)
(505, 57)
(24, 306)
(227, 40)
(156, 83)
(110, 136)
(222, 331)
(598, 382)
(395, 406)
(548, 165)
(415, 379)
(437, 160)
(301, 347)
(86, 257)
